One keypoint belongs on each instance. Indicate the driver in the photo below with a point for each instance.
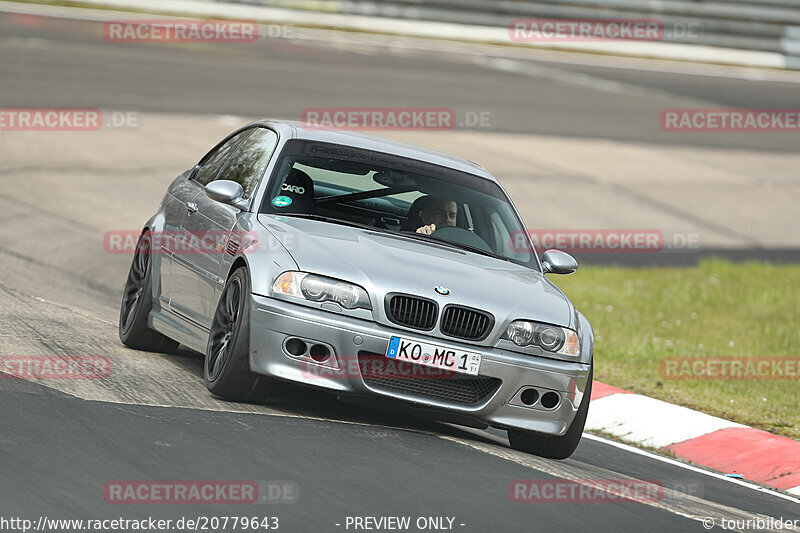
(437, 212)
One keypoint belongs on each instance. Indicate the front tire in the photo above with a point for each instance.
(137, 301)
(227, 364)
(554, 447)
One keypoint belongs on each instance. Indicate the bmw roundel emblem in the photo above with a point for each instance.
(444, 291)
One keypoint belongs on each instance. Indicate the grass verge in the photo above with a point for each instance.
(717, 309)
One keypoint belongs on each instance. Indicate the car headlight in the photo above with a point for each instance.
(549, 338)
(321, 289)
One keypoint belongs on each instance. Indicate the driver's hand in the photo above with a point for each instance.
(427, 230)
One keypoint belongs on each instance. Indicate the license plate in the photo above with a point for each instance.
(434, 356)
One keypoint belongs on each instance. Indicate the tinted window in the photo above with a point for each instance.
(399, 195)
(212, 165)
(250, 160)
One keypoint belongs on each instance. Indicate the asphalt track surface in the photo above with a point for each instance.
(281, 77)
(61, 441)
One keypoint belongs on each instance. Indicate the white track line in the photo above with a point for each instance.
(672, 501)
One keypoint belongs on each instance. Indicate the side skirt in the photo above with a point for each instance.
(188, 333)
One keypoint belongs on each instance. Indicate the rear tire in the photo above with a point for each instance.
(137, 302)
(226, 368)
(554, 447)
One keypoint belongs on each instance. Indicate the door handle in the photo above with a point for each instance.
(191, 207)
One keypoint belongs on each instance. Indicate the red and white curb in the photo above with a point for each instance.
(696, 437)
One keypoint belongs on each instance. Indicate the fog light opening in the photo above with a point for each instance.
(295, 347)
(319, 353)
(529, 396)
(549, 400)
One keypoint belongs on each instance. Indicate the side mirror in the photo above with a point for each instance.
(227, 192)
(558, 262)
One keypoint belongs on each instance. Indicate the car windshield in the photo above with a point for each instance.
(399, 195)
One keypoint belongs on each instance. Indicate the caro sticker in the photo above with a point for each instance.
(281, 201)
(293, 188)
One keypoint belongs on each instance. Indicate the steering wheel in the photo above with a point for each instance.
(463, 236)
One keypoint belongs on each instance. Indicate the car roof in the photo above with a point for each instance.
(296, 130)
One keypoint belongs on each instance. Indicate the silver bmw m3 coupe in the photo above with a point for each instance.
(368, 268)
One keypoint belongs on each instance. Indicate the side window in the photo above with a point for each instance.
(247, 165)
(208, 171)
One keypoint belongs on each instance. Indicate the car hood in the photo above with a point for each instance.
(384, 263)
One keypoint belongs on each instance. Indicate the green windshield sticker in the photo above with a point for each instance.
(281, 201)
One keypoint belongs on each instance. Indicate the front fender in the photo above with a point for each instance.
(155, 224)
(265, 261)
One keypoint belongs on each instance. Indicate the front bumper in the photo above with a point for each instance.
(503, 374)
